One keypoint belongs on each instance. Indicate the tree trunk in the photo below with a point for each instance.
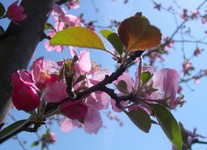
(18, 44)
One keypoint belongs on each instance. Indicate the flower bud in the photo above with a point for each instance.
(15, 13)
(74, 109)
(25, 97)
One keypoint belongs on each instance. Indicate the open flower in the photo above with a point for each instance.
(161, 86)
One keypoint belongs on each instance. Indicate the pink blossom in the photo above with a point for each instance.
(128, 80)
(184, 14)
(98, 74)
(52, 137)
(24, 94)
(49, 48)
(204, 20)
(55, 91)
(187, 67)
(15, 13)
(194, 14)
(167, 81)
(74, 109)
(115, 108)
(83, 64)
(92, 121)
(197, 51)
(169, 42)
(68, 124)
(73, 4)
(62, 21)
(98, 100)
(41, 70)
(60, 15)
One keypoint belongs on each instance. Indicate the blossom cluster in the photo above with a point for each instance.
(50, 82)
(61, 83)
(161, 88)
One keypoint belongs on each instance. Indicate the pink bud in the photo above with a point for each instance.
(15, 13)
(52, 137)
(25, 97)
(74, 109)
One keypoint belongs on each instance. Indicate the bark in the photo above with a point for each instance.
(18, 44)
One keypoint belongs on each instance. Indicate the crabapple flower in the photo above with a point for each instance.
(52, 137)
(184, 14)
(74, 109)
(161, 86)
(169, 42)
(41, 70)
(85, 112)
(24, 94)
(55, 91)
(194, 14)
(91, 123)
(83, 64)
(167, 81)
(62, 21)
(187, 67)
(73, 4)
(15, 13)
(58, 48)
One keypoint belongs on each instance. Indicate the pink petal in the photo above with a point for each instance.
(55, 92)
(92, 121)
(66, 125)
(83, 65)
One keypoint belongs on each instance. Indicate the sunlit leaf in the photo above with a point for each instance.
(79, 37)
(141, 119)
(136, 33)
(114, 39)
(11, 129)
(168, 124)
(2, 10)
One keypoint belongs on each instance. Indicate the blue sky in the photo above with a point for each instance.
(192, 114)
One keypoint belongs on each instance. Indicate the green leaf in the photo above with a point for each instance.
(48, 26)
(114, 39)
(122, 86)
(35, 143)
(68, 63)
(141, 119)
(168, 124)
(145, 77)
(78, 36)
(12, 129)
(2, 10)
